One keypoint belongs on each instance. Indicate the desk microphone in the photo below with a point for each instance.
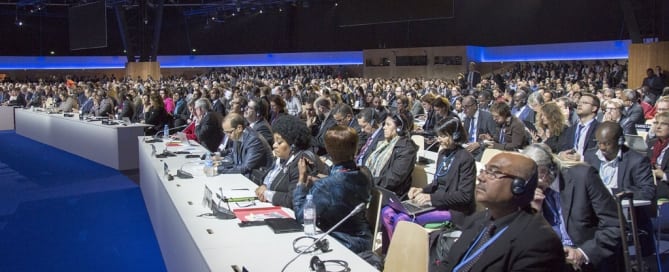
(161, 131)
(355, 211)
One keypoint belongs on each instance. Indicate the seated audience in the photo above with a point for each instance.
(510, 130)
(580, 137)
(614, 110)
(256, 115)
(657, 152)
(249, 151)
(291, 144)
(476, 122)
(339, 193)
(550, 125)
(452, 188)
(509, 235)
(580, 209)
(393, 160)
(154, 115)
(207, 125)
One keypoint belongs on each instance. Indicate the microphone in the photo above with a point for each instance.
(160, 131)
(355, 211)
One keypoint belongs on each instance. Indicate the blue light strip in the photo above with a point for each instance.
(192, 61)
(543, 52)
(618, 49)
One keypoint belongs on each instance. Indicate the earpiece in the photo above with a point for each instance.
(319, 266)
(518, 186)
(400, 128)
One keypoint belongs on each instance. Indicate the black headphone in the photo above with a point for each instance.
(319, 266)
(398, 120)
(518, 186)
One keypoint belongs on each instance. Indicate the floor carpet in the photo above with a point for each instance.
(61, 212)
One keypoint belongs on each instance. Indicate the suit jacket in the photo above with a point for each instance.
(218, 107)
(567, 142)
(105, 107)
(526, 115)
(663, 163)
(590, 215)
(19, 101)
(67, 105)
(209, 131)
(514, 138)
(157, 117)
(528, 244)
(628, 126)
(372, 145)
(285, 181)
(319, 141)
(454, 190)
(484, 125)
(476, 79)
(635, 114)
(252, 152)
(396, 173)
(127, 110)
(265, 130)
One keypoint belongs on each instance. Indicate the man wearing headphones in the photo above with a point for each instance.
(510, 135)
(622, 169)
(509, 235)
(373, 134)
(580, 209)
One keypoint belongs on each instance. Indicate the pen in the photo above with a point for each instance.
(240, 189)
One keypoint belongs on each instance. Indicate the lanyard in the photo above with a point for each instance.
(445, 165)
(479, 251)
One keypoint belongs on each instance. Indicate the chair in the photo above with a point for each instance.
(488, 154)
(419, 140)
(409, 250)
(419, 177)
(374, 218)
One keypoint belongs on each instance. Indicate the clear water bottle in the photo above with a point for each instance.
(166, 132)
(309, 216)
(209, 168)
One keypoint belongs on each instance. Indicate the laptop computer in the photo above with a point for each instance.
(184, 139)
(408, 206)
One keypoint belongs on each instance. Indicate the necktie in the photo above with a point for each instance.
(502, 135)
(472, 129)
(552, 216)
(364, 148)
(487, 233)
(578, 136)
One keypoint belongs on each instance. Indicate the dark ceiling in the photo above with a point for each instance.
(239, 26)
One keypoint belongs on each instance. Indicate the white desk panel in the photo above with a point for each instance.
(6, 118)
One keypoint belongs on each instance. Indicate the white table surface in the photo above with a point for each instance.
(111, 145)
(6, 118)
(192, 243)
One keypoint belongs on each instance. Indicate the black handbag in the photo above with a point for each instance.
(440, 245)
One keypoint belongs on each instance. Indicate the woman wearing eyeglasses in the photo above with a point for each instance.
(451, 190)
(613, 111)
(659, 157)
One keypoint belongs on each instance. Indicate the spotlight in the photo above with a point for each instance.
(336, 4)
(261, 11)
(18, 22)
(52, 52)
(193, 50)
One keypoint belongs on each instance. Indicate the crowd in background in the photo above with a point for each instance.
(578, 112)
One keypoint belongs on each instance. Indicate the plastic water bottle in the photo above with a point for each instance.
(309, 216)
(209, 169)
(166, 132)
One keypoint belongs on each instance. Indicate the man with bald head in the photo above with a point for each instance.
(622, 169)
(509, 235)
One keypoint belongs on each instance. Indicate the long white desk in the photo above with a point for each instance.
(114, 146)
(189, 242)
(6, 118)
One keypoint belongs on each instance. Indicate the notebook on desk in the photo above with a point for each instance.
(408, 206)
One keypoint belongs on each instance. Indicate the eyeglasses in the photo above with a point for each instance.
(660, 124)
(467, 106)
(584, 103)
(611, 109)
(495, 174)
(228, 131)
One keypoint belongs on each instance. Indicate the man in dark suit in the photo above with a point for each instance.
(520, 108)
(633, 110)
(207, 125)
(367, 119)
(476, 122)
(622, 169)
(659, 157)
(323, 108)
(580, 209)
(581, 137)
(249, 151)
(510, 130)
(473, 76)
(256, 115)
(343, 116)
(508, 236)
(16, 99)
(217, 104)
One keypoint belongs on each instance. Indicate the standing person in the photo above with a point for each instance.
(580, 209)
(452, 189)
(339, 193)
(509, 235)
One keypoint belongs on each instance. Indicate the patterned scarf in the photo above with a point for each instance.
(378, 159)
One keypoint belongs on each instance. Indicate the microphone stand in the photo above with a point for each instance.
(160, 131)
(355, 211)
